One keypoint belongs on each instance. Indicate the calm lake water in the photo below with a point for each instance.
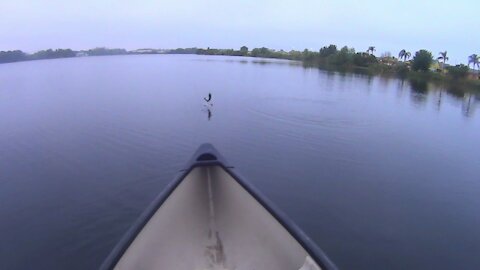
(381, 173)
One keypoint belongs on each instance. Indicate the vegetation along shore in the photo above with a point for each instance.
(421, 65)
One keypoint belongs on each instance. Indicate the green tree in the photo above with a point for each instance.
(327, 51)
(295, 55)
(261, 52)
(255, 52)
(364, 59)
(307, 55)
(344, 57)
(422, 60)
(404, 54)
(52, 54)
(265, 51)
(244, 50)
(458, 71)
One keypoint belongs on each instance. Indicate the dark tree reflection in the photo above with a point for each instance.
(419, 91)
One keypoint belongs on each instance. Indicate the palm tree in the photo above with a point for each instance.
(474, 60)
(371, 49)
(407, 55)
(404, 54)
(443, 56)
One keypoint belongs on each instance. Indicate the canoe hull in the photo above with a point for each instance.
(209, 218)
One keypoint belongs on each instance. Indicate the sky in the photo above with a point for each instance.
(390, 26)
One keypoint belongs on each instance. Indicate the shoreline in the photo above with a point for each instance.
(371, 65)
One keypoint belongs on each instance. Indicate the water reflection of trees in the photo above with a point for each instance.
(419, 91)
(384, 82)
(439, 100)
(468, 105)
(468, 99)
(419, 86)
(400, 87)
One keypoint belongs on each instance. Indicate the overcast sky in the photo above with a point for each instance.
(32, 25)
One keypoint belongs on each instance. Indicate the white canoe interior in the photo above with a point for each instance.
(211, 222)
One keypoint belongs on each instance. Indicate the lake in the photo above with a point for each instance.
(381, 173)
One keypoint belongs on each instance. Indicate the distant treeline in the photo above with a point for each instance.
(423, 64)
(182, 51)
(326, 56)
(330, 57)
(16, 56)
